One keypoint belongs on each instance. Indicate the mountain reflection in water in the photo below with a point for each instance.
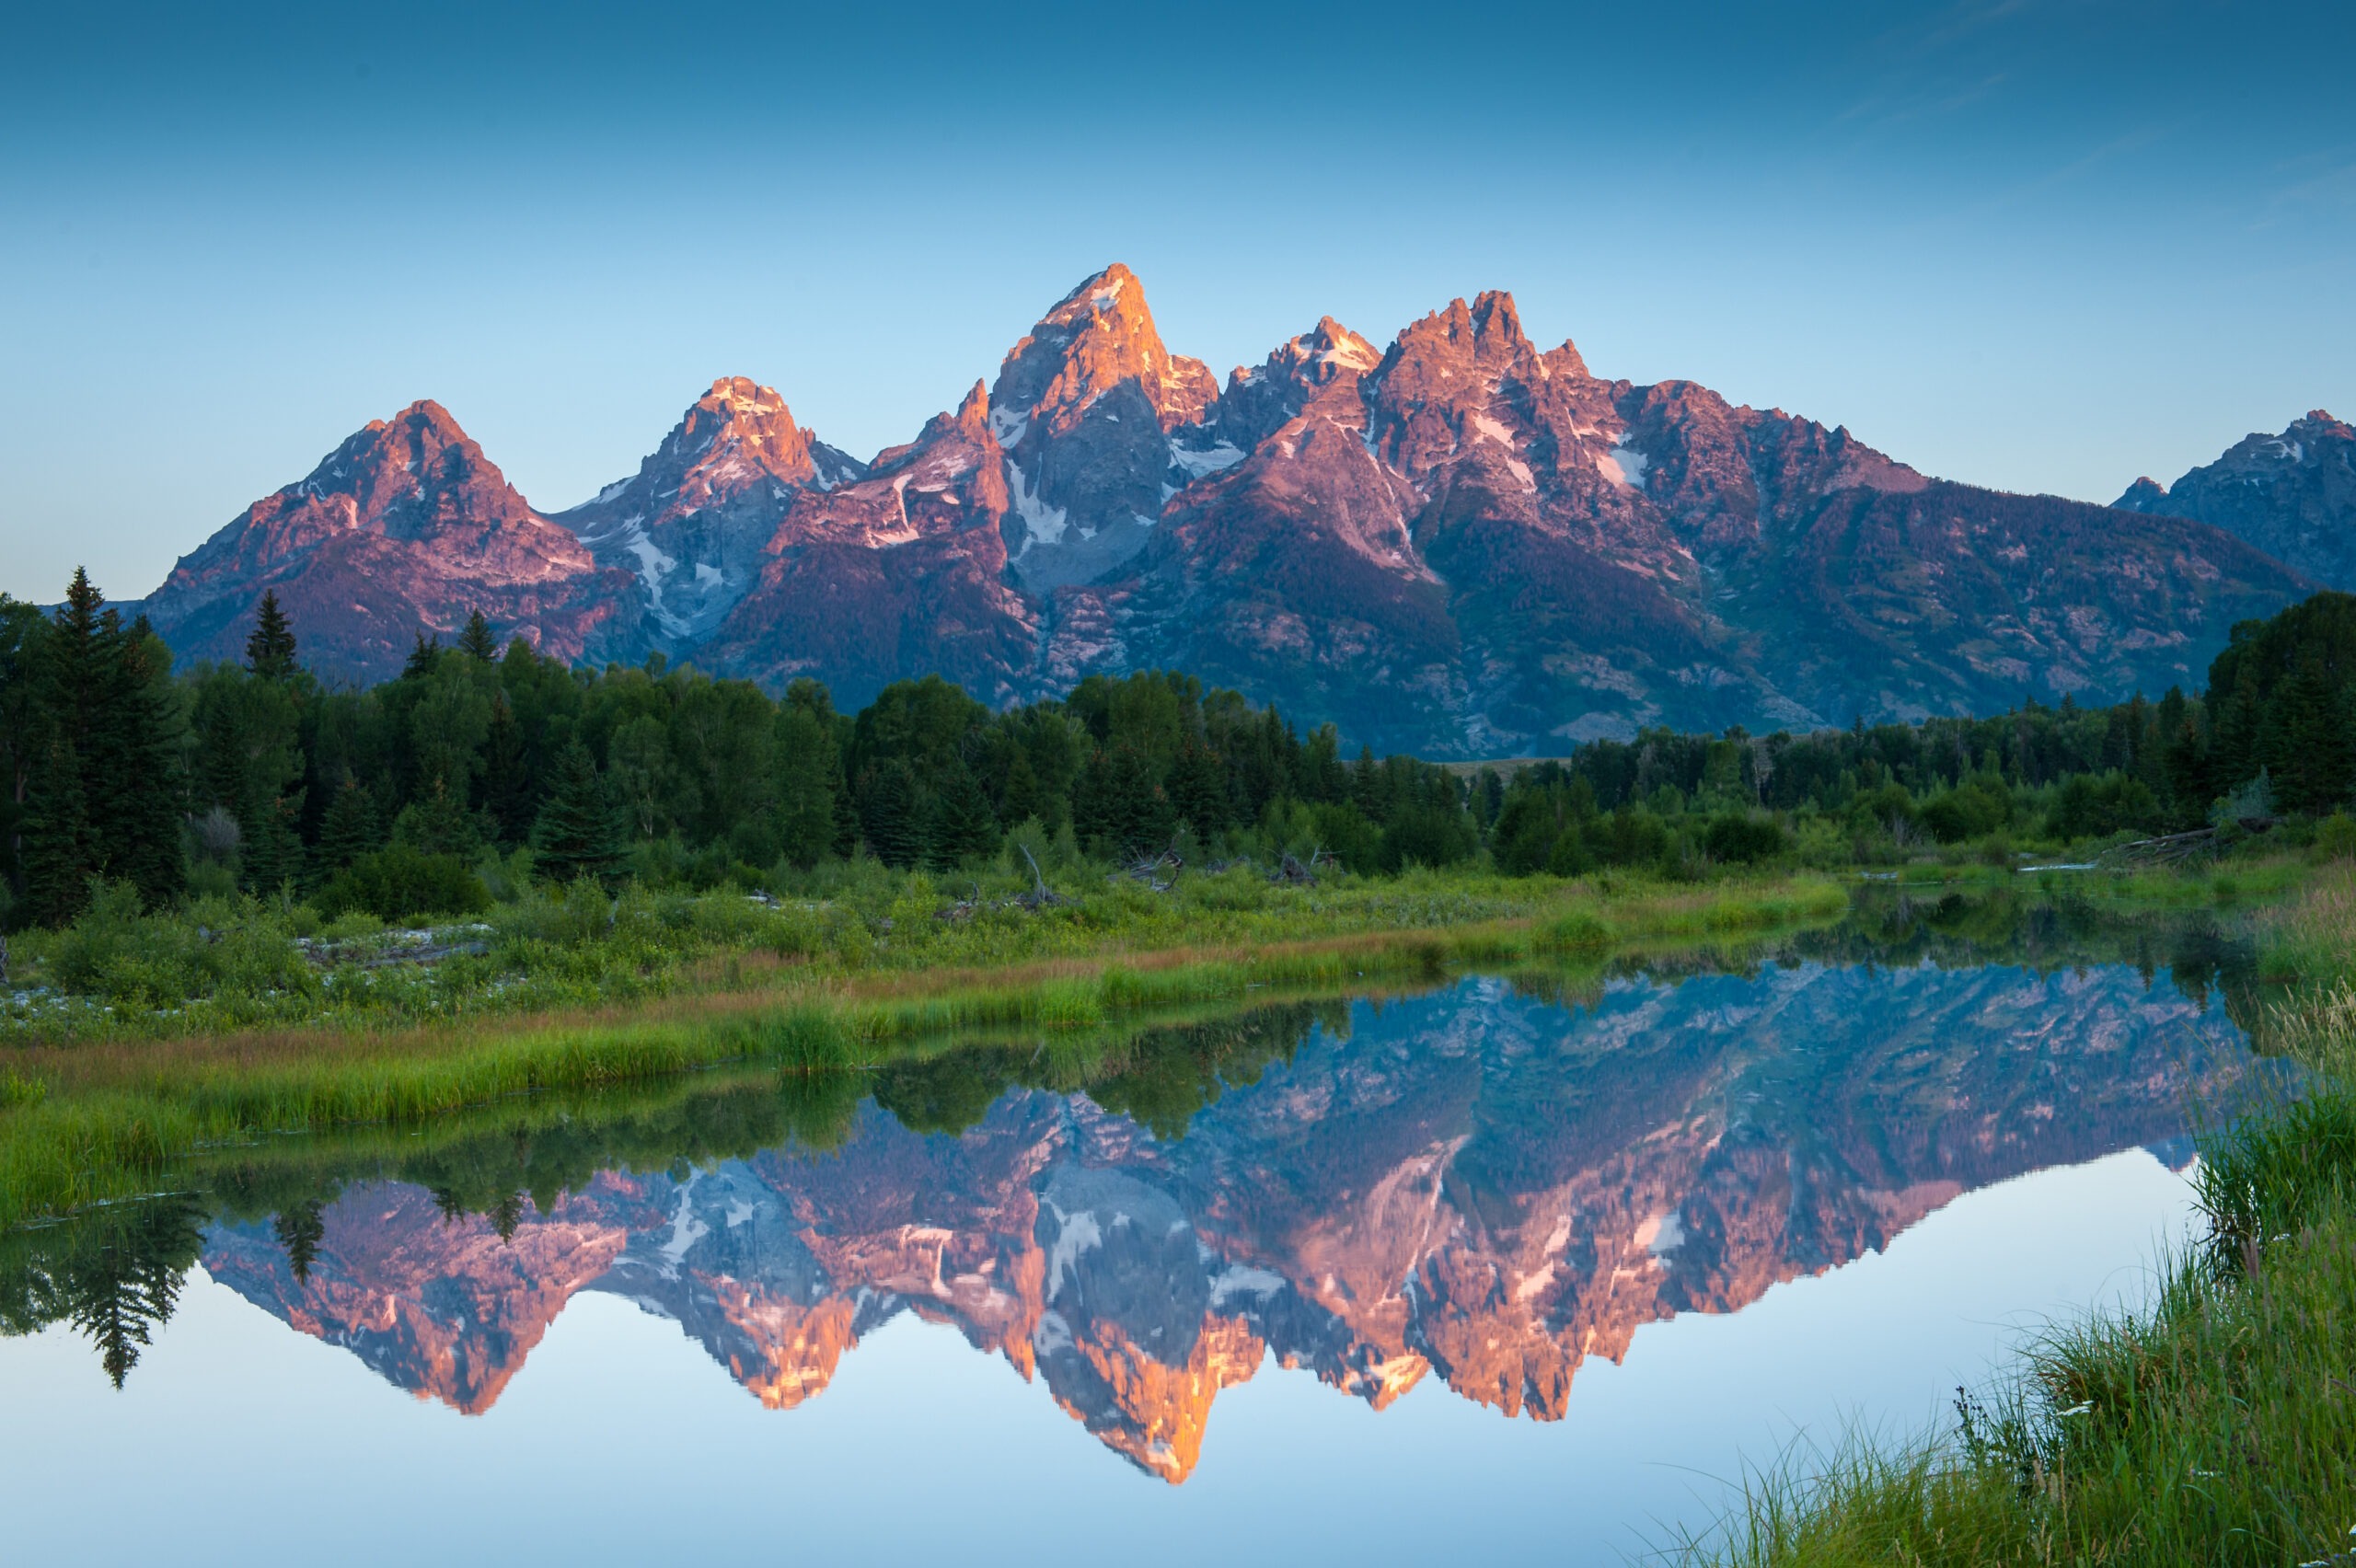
(1475, 1185)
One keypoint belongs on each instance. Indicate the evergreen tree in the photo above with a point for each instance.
(476, 642)
(891, 813)
(269, 652)
(250, 762)
(960, 826)
(807, 777)
(23, 729)
(348, 831)
(506, 774)
(1198, 788)
(579, 833)
(424, 658)
(59, 851)
(1021, 799)
(125, 1283)
(847, 821)
(438, 822)
(138, 815)
(1119, 802)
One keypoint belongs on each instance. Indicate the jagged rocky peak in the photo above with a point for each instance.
(1100, 424)
(405, 526)
(408, 473)
(1097, 339)
(1261, 400)
(2291, 495)
(1463, 377)
(692, 523)
(1485, 335)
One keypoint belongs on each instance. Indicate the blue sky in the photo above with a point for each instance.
(2041, 246)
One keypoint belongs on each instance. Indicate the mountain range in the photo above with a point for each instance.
(1459, 544)
(1477, 1185)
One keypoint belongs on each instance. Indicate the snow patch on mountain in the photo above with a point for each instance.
(1043, 525)
(1625, 466)
(1226, 454)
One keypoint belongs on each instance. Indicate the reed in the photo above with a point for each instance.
(2216, 1427)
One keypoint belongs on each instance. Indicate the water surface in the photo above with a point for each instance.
(1505, 1267)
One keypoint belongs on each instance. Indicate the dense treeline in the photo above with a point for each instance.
(2275, 735)
(480, 764)
(259, 778)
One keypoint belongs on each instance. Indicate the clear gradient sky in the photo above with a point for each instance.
(2044, 247)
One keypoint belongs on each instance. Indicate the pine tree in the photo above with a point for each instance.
(423, 658)
(506, 774)
(807, 774)
(59, 851)
(891, 814)
(269, 652)
(119, 1291)
(348, 831)
(1118, 802)
(476, 642)
(250, 762)
(579, 833)
(960, 825)
(138, 814)
(439, 822)
(845, 821)
(1198, 788)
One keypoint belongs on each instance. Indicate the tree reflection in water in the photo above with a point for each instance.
(1485, 1183)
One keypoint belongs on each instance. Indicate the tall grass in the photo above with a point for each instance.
(2217, 1426)
(104, 1120)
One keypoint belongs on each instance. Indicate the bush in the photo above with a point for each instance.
(1742, 840)
(398, 882)
(1579, 930)
(114, 951)
(2092, 806)
(2336, 837)
(1971, 811)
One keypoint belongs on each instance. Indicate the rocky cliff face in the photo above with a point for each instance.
(405, 528)
(2291, 495)
(1471, 1186)
(1463, 545)
(903, 572)
(692, 522)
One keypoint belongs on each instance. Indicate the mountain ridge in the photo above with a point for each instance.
(2291, 495)
(1461, 545)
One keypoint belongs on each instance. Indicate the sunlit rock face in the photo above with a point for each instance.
(1460, 544)
(900, 572)
(405, 529)
(692, 524)
(1472, 1186)
(1101, 424)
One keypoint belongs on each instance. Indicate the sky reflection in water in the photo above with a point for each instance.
(1662, 1228)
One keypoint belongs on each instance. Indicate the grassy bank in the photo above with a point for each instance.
(582, 993)
(2218, 1426)
(104, 1117)
(237, 967)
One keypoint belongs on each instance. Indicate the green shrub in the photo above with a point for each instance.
(1739, 839)
(1970, 810)
(1575, 932)
(2096, 806)
(2336, 837)
(398, 882)
(215, 945)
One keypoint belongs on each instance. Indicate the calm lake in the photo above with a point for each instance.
(1511, 1266)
